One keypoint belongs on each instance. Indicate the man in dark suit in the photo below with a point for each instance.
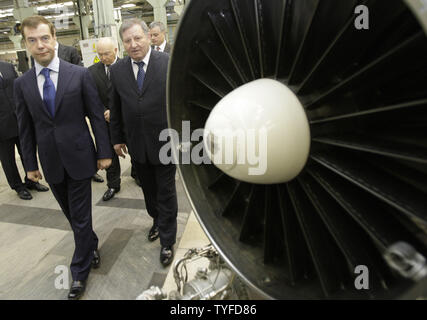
(52, 102)
(158, 42)
(138, 107)
(71, 55)
(107, 53)
(158, 37)
(9, 135)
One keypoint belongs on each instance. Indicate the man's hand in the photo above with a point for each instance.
(104, 163)
(34, 175)
(107, 115)
(121, 150)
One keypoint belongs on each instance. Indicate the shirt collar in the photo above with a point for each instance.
(53, 65)
(115, 60)
(112, 63)
(146, 58)
(163, 45)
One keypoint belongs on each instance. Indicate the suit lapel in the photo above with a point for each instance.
(108, 81)
(129, 75)
(62, 54)
(100, 70)
(151, 71)
(167, 48)
(65, 76)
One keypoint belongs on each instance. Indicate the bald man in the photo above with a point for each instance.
(106, 49)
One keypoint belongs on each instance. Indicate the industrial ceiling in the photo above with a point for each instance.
(68, 9)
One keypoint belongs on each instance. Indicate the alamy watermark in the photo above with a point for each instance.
(63, 280)
(361, 22)
(362, 280)
(63, 14)
(224, 147)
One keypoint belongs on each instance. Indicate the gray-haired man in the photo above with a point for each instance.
(138, 108)
(158, 37)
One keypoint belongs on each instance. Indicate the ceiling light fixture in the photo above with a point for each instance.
(129, 5)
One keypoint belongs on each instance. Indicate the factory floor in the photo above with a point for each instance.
(36, 243)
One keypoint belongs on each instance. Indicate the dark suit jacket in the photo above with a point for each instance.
(167, 48)
(67, 53)
(63, 142)
(102, 83)
(8, 124)
(142, 114)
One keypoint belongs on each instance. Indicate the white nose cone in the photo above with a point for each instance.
(259, 133)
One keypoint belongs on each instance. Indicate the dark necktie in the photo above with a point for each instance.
(108, 72)
(48, 92)
(141, 75)
(158, 48)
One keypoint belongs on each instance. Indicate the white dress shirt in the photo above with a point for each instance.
(146, 60)
(162, 46)
(54, 72)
